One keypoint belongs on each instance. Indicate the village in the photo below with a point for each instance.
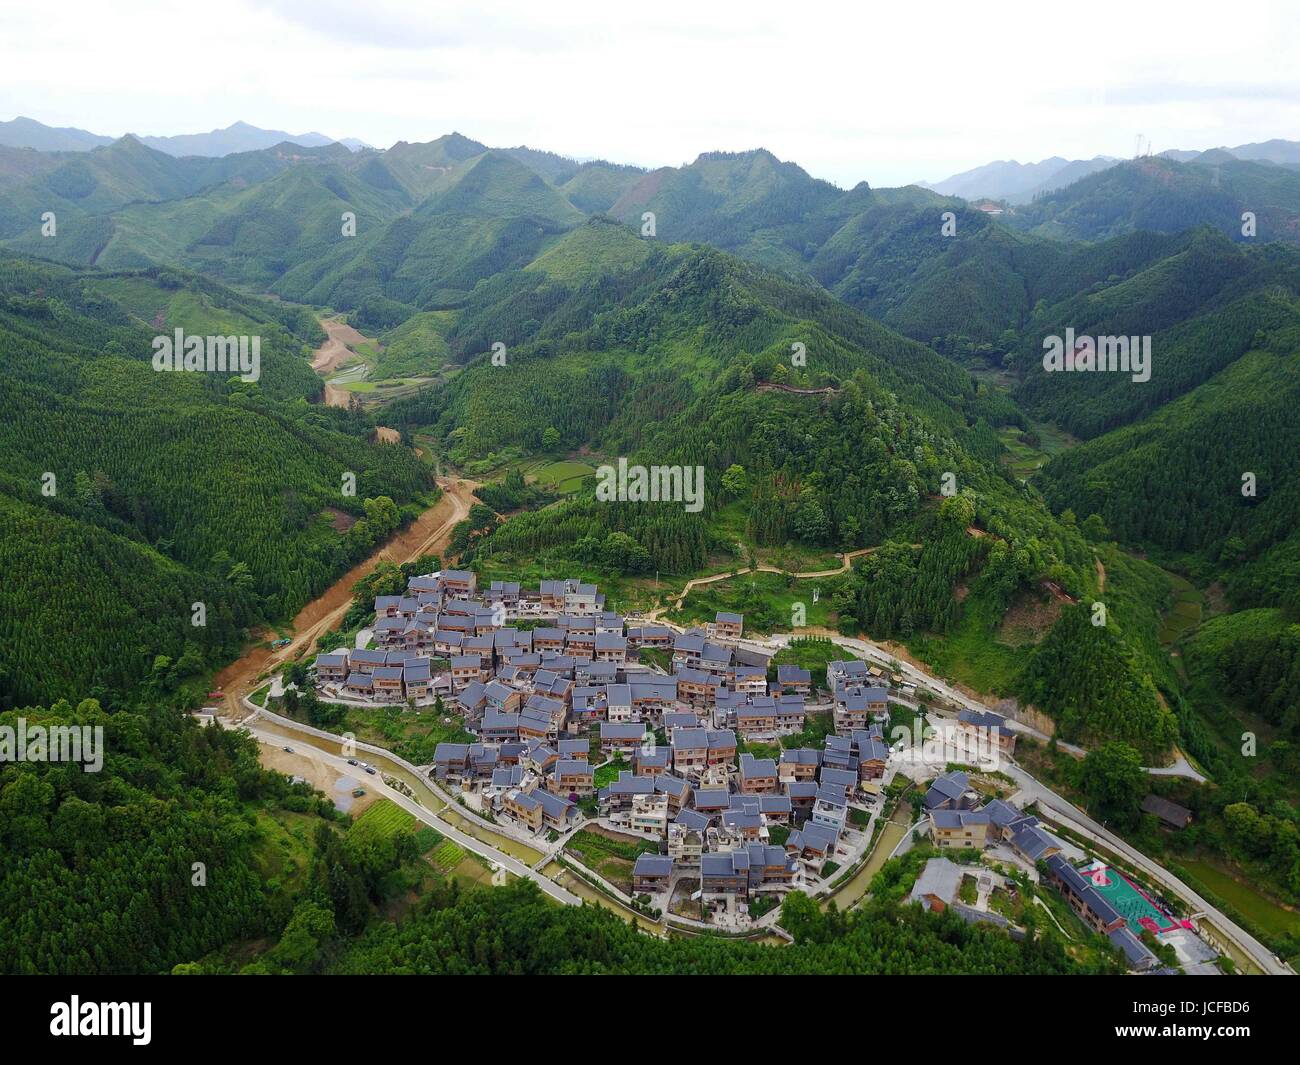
(679, 793)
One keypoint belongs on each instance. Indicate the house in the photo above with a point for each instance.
(332, 668)
(746, 679)
(467, 668)
(548, 639)
(647, 815)
(619, 704)
(697, 688)
(838, 753)
(802, 795)
(798, 763)
(753, 869)
(621, 737)
(937, 886)
(651, 874)
(472, 701)
(831, 809)
(575, 749)
(1136, 953)
(679, 719)
(841, 676)
(1031, 841)
(417, 680)
(726, 873)
(948, 792)
(722, 747)
(741, 823)
(450, 761)
(572, 776)
(650, 762)
(793, 680)
(458, 582)
(687, 648)
(558, 813)
(716, 659)
(360, 684)
(985, 728)
(690, 750)
(497, 727)
(686, 838)
(1170, 813)
(617, 796)
(659, 637)
(502, 698)
(388, 682)
(791, 715)
(773, 809)
(611, 647)
(757, 775)
(854, 707)
(711, 801)
(524, 808)
(728, 626)
(1082, 896)
(813, 843)
(845, 781)
(756, 720)
(872, 754)
(504, 592)
(959, 828)
(361, 660)
(677, 790)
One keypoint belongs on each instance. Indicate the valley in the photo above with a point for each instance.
(884, 459)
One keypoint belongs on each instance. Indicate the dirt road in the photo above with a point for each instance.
(428, 534)
(338, 348)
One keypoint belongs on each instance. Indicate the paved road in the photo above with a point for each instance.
(1034, 790)
(468, 842)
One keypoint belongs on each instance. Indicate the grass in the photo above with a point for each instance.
(608, 773)
(286, 841)
(564, 477)
(382, 820)
(609, 857)
(1257, 908)
(1185, 614)
(410, 734)
(767, 600)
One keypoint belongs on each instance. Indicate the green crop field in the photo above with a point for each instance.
(382, 820)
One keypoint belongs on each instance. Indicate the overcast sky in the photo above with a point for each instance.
(883, 93)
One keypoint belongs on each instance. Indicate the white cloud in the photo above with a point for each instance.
(886, 94)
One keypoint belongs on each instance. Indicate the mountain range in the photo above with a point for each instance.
(652, 314)
(240, 137)
(1020, 183)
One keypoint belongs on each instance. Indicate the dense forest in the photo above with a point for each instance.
(128, 495)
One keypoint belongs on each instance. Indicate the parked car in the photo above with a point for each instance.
(352, 761)
(370, 770)
(287, 750)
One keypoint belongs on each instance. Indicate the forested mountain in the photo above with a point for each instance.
(128, 495)
(918, 324)
(1165, 196)
(1016, 182)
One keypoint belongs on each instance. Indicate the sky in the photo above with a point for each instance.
(888, 94)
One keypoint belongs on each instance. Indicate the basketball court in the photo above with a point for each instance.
(1140, 912)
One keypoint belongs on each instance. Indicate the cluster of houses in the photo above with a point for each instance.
(548, 682)
(741, 826)
(958, 818)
